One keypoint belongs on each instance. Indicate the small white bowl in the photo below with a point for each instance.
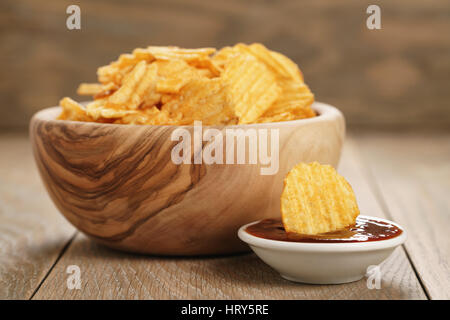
(322, 263)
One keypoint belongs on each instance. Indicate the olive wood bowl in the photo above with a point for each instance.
(118, 183)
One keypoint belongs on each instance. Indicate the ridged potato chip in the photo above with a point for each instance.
(316, 199)
(172, 52)
(206, 67)
(112, 73)
(170, 85)
(224, 56)
(253, 88)
(279, 64)
(174, 74)
(130, 82)
(198, 58)
(150, 116)
(295, 99)
(116, 70)
(284, 116)
(288, 66)
(89, 89)
(202, 99)
(100, 109)
(107, 90)
(97, 89)
(72, 110)
(146, 85)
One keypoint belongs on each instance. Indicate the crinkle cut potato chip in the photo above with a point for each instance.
(176, 86)
(316, 199)
(202, 99)
(72, 110)
(280, 65)
(253, 87)
(295, 101)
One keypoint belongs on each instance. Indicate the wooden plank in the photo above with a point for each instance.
(32, 232)
(412, 174)
(397, 272)
(107, 274)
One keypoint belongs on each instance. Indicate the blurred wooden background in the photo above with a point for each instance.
(397, 77)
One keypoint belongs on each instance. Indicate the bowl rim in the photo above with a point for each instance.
(325, 112)
(322, 247)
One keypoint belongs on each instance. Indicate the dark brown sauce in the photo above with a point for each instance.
(364, 230)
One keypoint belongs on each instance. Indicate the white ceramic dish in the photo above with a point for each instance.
(322, 263)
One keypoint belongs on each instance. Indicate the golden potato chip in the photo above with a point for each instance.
(176, 68)
(287, 116)
(107, 91)
(89, 89)
(206, 64)
(73, 111)
(151, 98)
(172, 85)
(201, 99)
(296, 99)
(100, 108)
(279, 64)
(253, 87)
(152, 116)
(134, 58)
(289, 67)
(174, 74)
(140, 54)
(145, 87)
(284, 116)
(107, 73)
(116, 70)
(96, 89)
(172, 52)
(206, 73)
(112, 73)
(130, 82)
(224, 56)
(126, 60)
(316, 199)
(165, 98)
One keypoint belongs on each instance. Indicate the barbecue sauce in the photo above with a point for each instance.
(364, 230)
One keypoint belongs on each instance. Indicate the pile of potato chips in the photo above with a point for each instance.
(176, 86)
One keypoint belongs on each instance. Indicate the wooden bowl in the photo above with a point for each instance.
(119, 185)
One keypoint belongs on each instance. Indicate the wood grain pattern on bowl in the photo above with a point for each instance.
(118, 184)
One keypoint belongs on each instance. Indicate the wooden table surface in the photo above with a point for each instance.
(404, 177)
